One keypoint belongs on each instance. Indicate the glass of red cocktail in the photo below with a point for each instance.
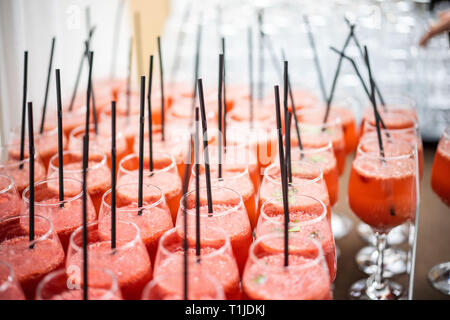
(9, 285)
(10, 202)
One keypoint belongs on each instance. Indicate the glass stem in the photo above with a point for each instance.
(381, 245)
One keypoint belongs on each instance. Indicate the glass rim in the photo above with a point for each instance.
(56, 204)
(127, 245)
(321, 217)
(376, 155)
(220, 250)
(155, 281)
(223, 213)
(98, 164)
(45, 236)
(81, 128)
(333, 119)
(155, 171)
(309, 150)
(10, 278)
(396, 113)
(63, 272)
(149, 206)
(10, 185)
(318, 178)
(17, 162)
(251, 255)
(239, 173)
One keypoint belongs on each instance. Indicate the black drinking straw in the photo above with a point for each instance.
(197, 61)
(115, 38)
(161, 77)
(44, 107)
(283, 176)
(197, 184)
(294, 111)
(316, 58)
(31, 173)
(355, 67)
(374, 102)
(87, 44)
(80, 67)
(179, 42)
(205, 145)
(88, 100)
(85, 231)
(141, 144)
(355, 39)
(60, 138)
(149, 103)
(130, 61)
(113, 175)
(336, 75)
(219, 90)
(185, 240)
(288, 146)
(250, 73)
(261, 54)
(224, 96)
(24, 105)
(137, 30)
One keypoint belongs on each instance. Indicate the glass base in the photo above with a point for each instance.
(439, 277)
(362, 290)
(396, 236)
(340, 224)
(395, 261)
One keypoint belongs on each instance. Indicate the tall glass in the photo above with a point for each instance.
(152, 219)
(267, 278)
(201, 286)
(439, 275)
(98, 173)
(229, 213)
(129, 261)
(59, 285)
(305, 222)
(164, 176)
(66, 215)
(9, 285)
(382, 193)
(216, 257)
(30, 260)
(10, 203)
(19, 170)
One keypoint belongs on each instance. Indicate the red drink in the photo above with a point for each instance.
(266, 278)
(201, 286)
(9, 285)
(307, 179)
(58, 285)
(164, 176)
(382, 193)
(228, 213)
(312, 125)
(10, 203)
(216, 257)
(64, 219)
(440, 174)
(129, 261)
(152, 219)
(98, 173)
(305, 222)
(12, 166)
(30, 260)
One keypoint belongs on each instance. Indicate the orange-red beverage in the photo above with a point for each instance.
(229, 213)
(216, 257)
(382, 190)
(30, 260)
(10, 202)
(164, 176)
(9, 285)
(440, 174)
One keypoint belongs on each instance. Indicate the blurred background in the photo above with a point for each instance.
(390, 29)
